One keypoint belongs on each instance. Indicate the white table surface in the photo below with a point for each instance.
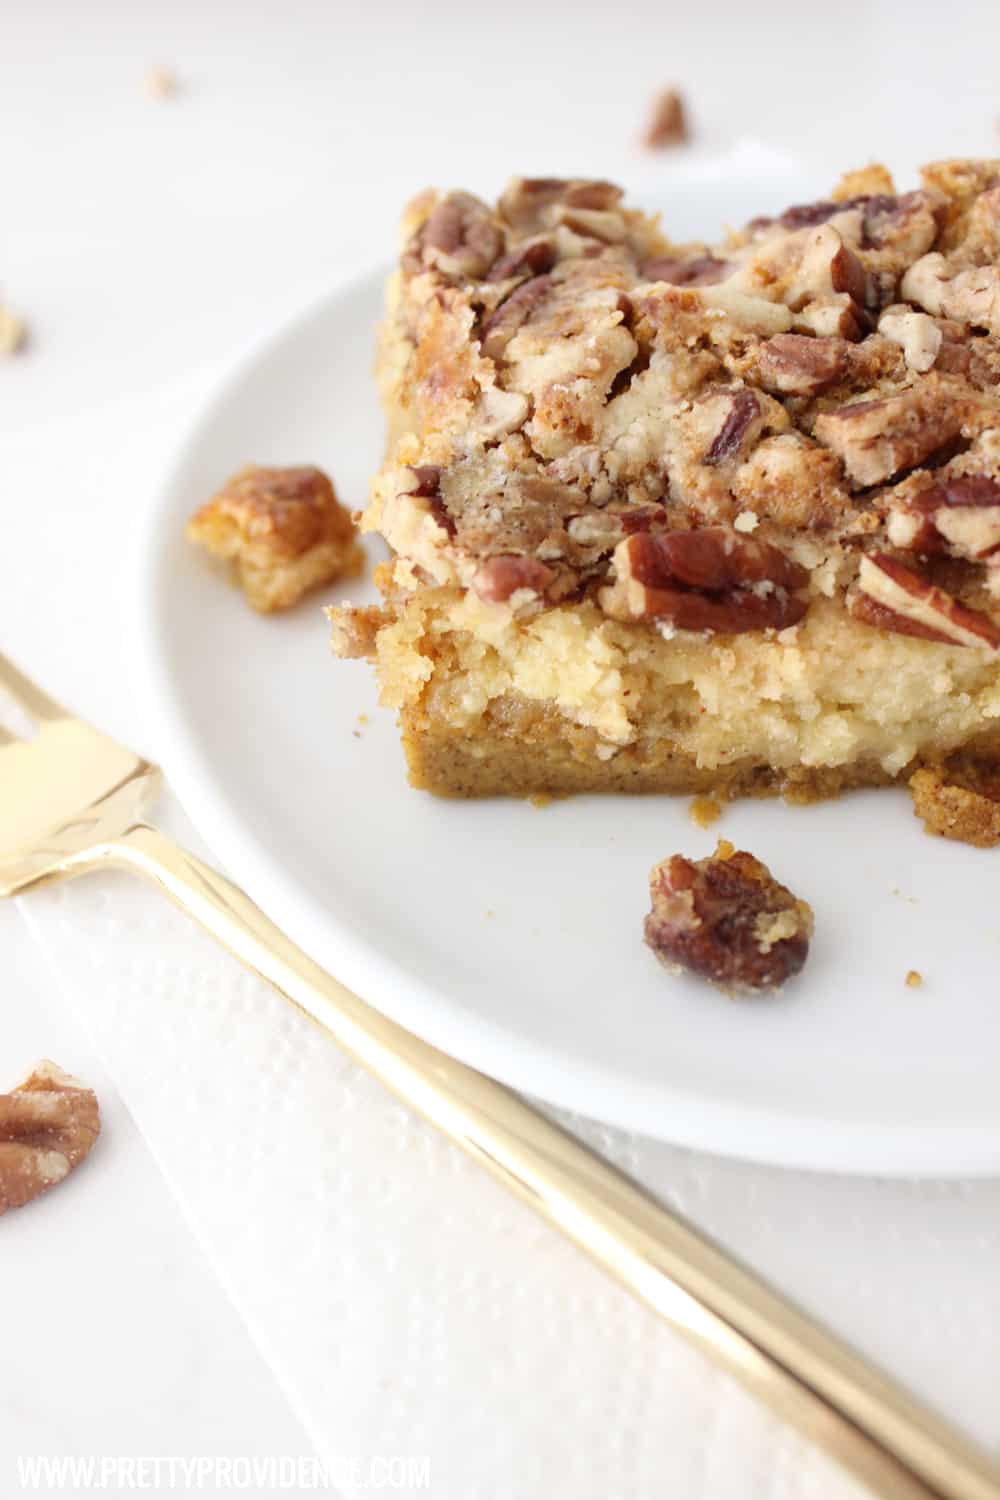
(144, 242)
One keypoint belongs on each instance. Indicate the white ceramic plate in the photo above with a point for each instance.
(510, 935)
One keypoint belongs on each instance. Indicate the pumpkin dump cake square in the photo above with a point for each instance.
(682, 517)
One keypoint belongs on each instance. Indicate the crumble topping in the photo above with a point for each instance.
(576, 390)
(283, 529)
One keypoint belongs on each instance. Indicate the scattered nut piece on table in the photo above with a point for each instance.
(959, 800)
(161, 83)
(13, 331)
(48, 1124)
(726, 918)
(914, 979)
(285, 531)
(668, 123)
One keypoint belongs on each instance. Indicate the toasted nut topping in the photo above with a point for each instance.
(668, 123)
(794, 364)
(695, 270)
(714, 580)
(528, 259)
(959, 516)
(893, 597)
(459, 239)
(47, 1126)
(500, 577)
(917, 335)
(500, 327)
(744, 408)
(526, 201)
(878, 438)
(727, 919)
(971, 295)
(959, 801)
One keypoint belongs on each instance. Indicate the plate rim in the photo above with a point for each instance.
(774, 1136)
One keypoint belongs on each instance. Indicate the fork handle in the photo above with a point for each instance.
(868, 1423)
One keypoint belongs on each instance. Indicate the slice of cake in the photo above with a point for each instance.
(678, 517)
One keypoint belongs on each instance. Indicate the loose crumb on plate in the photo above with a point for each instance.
(13, 331)
(704, 811)
(914, 979)
(160, 83)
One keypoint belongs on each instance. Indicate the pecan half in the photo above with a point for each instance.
(958, 516)
(526, 201)
(528, 259)
(879, 437)
(891, 596)
(47, 1126)
(711, 580)
(459, 239)
(501, 326)
(960, 800)
(794, 364)
(500, 577)
(744, 408)
(727, 919)
(691, 270)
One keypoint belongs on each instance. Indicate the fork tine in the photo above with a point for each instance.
(24, 692)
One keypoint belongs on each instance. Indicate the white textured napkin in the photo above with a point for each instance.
(406, 1303)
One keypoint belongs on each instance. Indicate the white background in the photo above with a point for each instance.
(144, 242)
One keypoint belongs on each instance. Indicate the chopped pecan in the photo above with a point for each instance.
(526, 202)
(826, 267)
(959, 516)
(501, 326)
(835, 317)
(794, 364)
(891, 596)
(713, 580)
(877, 438)
(917, 335)
(500, 577)
(727, 919)
(692, 270)
(959, 800)
(531, 258)
(907, 224)
(744, 408)
(48, 1124)
(460, 238)
(970, 295)
(668, 123)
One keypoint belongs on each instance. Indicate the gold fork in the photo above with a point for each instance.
(71, 800)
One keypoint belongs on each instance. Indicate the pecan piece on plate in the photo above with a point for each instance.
(959, 800)
(668, 121)
(48, 1124)
(891, 596)
(727, 919)
(714, 580)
